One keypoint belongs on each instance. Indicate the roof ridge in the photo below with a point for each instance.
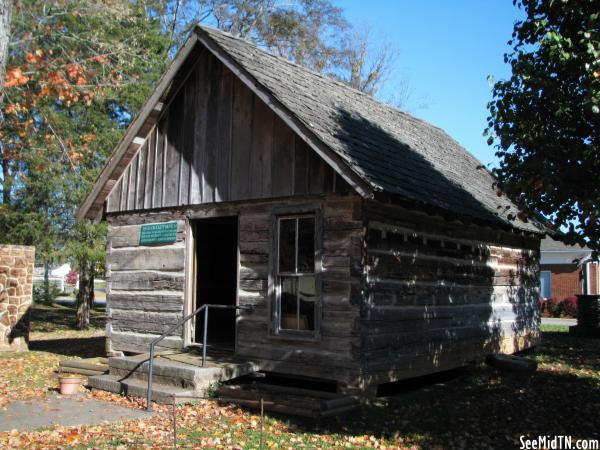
(343, 85)
(287, 61)
(435, 146)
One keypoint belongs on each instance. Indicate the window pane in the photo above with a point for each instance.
(289, 303)
(307, 295)
(306, 244)
(546, 284)
(287, 245)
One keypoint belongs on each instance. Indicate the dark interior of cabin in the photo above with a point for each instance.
(216, 279)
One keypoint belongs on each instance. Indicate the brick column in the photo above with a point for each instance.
(16, 289)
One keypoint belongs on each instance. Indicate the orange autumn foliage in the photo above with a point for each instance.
(15, 77)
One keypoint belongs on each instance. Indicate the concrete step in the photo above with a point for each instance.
(137, 388)
(177, 374)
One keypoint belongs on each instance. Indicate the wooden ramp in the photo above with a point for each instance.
(288, 400)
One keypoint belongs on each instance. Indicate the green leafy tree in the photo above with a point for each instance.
(545, 119)
(86, 246)
(77, 72)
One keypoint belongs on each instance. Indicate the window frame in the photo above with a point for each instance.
(275, 276)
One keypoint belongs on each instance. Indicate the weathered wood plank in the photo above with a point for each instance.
(125, 189)
(141, 177)
(164, 258)
(114, 200)
(157, 317)
(140, 342)
(241, 141)
(146, 281)
(174, 150)
(282, 166)
(200, 120)
(300, 167)
(209, 159)
(165, 301)
(316, 173)
(187, 141)
(159, 166)
(262, 150)
(144, 327)
(150, 160)
(133, 181)
(283, 353)
(224, 136)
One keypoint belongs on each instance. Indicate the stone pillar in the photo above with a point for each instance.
(16, 291)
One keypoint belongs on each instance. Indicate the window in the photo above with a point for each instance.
(296, 283)
(545, 284)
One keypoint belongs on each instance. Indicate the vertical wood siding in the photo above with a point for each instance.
(218, 142)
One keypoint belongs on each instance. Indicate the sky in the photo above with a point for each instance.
(446, 50)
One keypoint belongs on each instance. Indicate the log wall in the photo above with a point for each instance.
(331, 356)
(145, 288)
(146, 285)
(440, 294)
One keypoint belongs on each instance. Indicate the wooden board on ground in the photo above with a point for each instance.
(287, 400)
(88, 366)
(512, 363)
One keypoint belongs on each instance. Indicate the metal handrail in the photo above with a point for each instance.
(204, 308)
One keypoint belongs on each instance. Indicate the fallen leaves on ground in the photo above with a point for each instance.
(25, 376)
(479, 408)
(30, 375)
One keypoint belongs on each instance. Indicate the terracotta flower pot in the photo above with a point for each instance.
(69, 384)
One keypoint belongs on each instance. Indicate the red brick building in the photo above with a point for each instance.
(561, 275)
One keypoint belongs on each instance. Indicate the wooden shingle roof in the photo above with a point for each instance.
(380, 150)
(392, 151)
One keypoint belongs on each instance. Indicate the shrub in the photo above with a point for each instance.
(569, 307)
(39, 294)
(565, 307)
(71, 278)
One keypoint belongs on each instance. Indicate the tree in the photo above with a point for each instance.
(87, 247)
(545, 119)
(365, 68)
(5, 18)
(77, 72)
(312, 33)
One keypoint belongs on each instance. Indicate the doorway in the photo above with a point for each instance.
(216, 279)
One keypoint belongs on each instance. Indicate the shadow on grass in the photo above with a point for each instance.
(56, 318)
(573, 351)
(53, 331)
(85, 347)
(482, 407)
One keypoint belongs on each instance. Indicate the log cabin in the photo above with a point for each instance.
(371, 246)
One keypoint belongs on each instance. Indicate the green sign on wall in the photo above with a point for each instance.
(158, 233)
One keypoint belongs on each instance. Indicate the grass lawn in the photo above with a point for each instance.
(478, 407)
